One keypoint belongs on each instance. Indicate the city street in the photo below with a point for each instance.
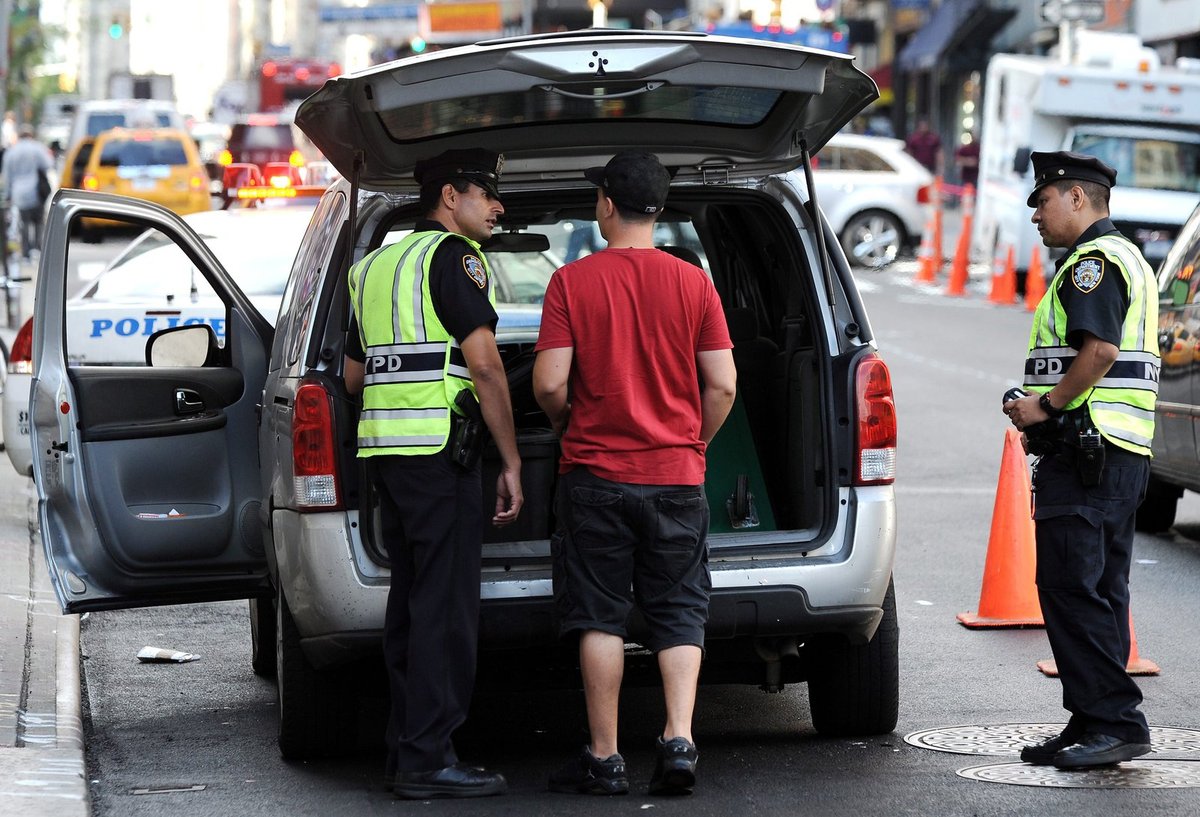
(198, 738)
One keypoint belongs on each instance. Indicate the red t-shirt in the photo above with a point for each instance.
(636, 319)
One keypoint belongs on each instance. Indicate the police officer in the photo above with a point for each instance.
(1093, 370)
(421, 349)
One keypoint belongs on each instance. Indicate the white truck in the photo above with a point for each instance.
(1114, 100)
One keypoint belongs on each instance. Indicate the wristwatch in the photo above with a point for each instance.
(1048, 407)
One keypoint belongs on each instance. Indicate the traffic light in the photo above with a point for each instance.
(115, 29)
(417, 45)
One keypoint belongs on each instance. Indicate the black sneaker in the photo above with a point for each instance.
(675, 771)
(588, 774)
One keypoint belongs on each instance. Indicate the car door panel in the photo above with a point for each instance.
(124, 402)
(148, 483)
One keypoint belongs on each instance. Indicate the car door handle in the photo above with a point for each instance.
(187, 401)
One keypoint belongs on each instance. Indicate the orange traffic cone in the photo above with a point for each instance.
(958, 269)
(925, 273)
(1009, 594)
(939, 255)
(1135, 666)
(1035, 281)
(1004, 279)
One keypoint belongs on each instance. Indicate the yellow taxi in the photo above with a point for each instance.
(161, 165)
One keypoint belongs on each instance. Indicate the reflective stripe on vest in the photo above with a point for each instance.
(1122, 403)
(414, 368)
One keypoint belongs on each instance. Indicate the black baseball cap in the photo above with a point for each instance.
(1063, 164)
(634, 180)
(475, 165)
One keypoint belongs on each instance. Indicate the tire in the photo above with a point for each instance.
(872, 239)
(855, 690)
(262, 637)
(313, 720)
(1156, 514)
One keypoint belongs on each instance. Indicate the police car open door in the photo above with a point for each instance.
(147, 476)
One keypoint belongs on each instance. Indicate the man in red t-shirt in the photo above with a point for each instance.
(635, 371)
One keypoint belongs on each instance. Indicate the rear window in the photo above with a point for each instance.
(142, 153)
(252, 137)
(735, 107)
(99, 122)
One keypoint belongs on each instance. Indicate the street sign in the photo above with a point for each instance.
(1056, 12)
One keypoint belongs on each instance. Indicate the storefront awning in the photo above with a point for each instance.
(953, 24)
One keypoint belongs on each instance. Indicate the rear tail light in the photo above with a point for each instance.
(296, 159)
(20, 357)
(314, 455)
(876, 423)
(924, 194)
(90, 182)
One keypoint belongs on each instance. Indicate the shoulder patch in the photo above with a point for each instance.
(1087, 273)
(475, 270)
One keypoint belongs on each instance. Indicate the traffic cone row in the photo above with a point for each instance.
(1008, 597)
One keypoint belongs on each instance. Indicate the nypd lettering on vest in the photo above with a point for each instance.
(1087, 274)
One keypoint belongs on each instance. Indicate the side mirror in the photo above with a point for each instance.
(1021, 160)
(191, 346)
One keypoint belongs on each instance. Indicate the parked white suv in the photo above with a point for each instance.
(229, 471)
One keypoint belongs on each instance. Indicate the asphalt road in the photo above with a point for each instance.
(198, 738)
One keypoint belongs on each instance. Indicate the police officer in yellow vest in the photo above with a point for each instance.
(421, 349)
(1092, 371)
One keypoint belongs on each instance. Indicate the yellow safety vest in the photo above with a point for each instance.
(1122, 403)
(414, 367)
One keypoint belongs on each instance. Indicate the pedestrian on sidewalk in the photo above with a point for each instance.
(628, 334)
(23, 166)
(1093, 369)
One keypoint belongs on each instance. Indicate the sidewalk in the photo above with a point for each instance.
(42, 771)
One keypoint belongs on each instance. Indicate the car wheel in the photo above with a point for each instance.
(1156, 514)
(262, 637)
(312, 721)
(872, 239)
(855, 689)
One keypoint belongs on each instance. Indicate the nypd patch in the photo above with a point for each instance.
(1087, 274)
(475, 270)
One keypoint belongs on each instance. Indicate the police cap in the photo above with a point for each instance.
(634, 180)
(1062, 164)
(476, 165)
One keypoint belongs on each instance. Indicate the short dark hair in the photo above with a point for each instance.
(1097, 194)
(431, 194)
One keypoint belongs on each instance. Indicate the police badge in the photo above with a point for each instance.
(475, 270)
(1087, 274)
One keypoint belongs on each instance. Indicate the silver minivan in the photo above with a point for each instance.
(228, 470)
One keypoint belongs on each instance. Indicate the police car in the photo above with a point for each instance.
(229, 471)
(151, 285)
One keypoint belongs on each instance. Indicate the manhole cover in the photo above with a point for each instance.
(1008, 738)
(1142, 774)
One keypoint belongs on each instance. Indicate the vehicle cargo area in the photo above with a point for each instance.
(768, 482)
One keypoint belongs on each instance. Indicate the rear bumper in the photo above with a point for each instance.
(338, 597)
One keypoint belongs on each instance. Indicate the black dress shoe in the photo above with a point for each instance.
(1042, 754)
(458, 780)
(1098, 750)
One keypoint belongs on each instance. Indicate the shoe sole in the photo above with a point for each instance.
(1109, 758)
(674, 782)
(447, 792)
(602, 789)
